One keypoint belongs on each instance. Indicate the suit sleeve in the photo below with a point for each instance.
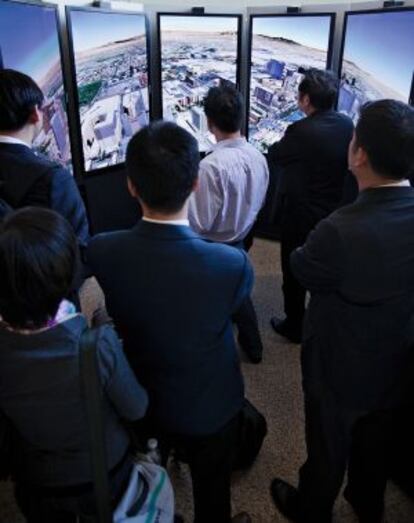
(245, 283)
(320, 264)
(205, 202)
(66, 200)
(287, 150)
(128, 397)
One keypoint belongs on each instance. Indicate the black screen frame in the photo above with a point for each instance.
(329, 58)
(239, 18)
(347, 14)
(65, 80)
(72, 65)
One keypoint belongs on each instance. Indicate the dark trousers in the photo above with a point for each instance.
(293, 293)
(210, 459)
(328, 437)
(382, 448)
(68, 504)
(246, 318)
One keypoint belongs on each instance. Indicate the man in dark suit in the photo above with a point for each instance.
(172, 296)
(358, 344)
(312, 162)
(28, 179)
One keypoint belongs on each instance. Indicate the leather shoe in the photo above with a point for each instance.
(243, 517)
(286, 499)
(283, 328)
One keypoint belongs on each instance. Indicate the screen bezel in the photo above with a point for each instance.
(239, 18)
(329, 57)
(72, 65)
(344, 32)
(64, 76)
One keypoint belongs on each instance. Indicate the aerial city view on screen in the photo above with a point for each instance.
(280, 46)
(196, 54)
(29, 43)
(110, 51)
(377, 60)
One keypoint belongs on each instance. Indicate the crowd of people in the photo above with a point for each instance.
(176, 283)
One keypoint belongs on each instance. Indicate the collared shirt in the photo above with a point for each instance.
(233, 181)
(11, 139)
(403, 183)
(166, 222)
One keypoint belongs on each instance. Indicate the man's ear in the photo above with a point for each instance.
(196, 184)
(35, 115)
(131, 188)
(360, 158)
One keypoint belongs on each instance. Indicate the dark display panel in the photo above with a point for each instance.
(377, 58)
(29, 43)
(279, 46)
(196, 53)
(110, 58)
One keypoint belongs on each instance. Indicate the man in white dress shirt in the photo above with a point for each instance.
(233, 180)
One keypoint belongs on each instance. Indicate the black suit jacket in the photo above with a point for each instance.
(29, 179)
(172, 295)
(312, 161)
(359, 329)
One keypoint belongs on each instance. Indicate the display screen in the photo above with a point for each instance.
(377, 59)
(197, 52)
(280, 46)
(29, 43)
(111, 67)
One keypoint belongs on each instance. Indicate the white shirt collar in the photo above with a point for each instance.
(403, 183)
(166, 222)
(11, 139)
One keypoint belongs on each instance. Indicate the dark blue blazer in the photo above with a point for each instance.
(359, 329)
(171, 295)
(312, 159)
(30, 179)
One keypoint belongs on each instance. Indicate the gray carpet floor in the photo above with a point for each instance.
(274, 387)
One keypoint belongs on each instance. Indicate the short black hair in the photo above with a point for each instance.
(162, 163)
(321, 87)
(385, 131)
(19, 95)
(224, 107)
(38, 264)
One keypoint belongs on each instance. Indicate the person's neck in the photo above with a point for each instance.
(166, 217)
(371, 180)
(25, 135)
(220, 137)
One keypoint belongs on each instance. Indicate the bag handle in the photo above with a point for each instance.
(92, 389)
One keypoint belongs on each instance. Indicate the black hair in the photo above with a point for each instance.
(19, 95)
(321, 87)
(38, 263)
(224, 108)
(385, 131)
(162, 162)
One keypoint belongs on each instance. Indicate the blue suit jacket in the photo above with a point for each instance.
(29, 179)
(171, 295)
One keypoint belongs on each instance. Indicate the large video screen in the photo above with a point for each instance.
(280, 46)
(29, 43)
(109, 51)
(377, 58)
(197, 52)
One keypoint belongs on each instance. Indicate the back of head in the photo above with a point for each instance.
(321, 88)
(385, 131)
(224, 108)
(19, 95)
(162, 163)
(38, 262)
